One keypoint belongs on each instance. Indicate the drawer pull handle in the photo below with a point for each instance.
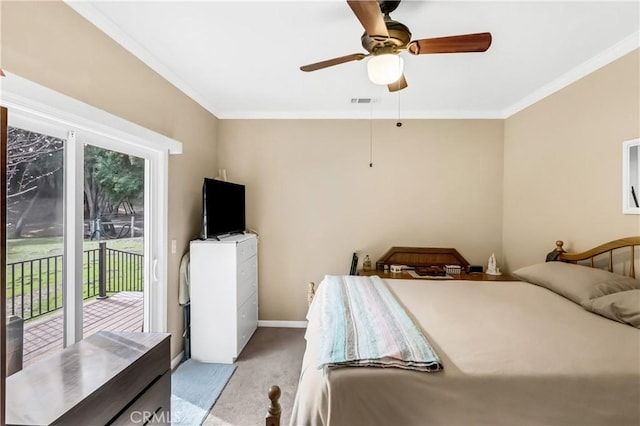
(154, 270)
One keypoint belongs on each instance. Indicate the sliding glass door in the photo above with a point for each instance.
(79, 237)
(112, 251)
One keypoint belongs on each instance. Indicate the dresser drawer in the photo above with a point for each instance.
(247, 279)
(153, 406)
(246, 249)
(247, 320)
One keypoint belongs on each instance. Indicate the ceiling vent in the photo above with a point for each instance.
(360, 100)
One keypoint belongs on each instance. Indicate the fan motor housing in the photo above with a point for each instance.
(388, 6)
(399, 36)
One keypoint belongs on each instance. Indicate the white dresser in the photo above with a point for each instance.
(224, 296)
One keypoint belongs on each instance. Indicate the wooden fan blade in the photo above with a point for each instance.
(1, 73)
(369, 15)
(332, 62)
(398, 85)
(478, 42)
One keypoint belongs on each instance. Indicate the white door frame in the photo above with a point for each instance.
(42, 109)
(72, 303)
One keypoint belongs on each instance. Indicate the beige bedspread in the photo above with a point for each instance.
(513, 354)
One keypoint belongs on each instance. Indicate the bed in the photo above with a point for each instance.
(530, 352)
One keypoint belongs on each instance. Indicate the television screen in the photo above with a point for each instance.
(223, 206)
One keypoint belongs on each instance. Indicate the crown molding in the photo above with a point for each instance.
(605, 57)
(107, 26)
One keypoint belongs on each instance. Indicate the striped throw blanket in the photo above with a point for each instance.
(362, 324)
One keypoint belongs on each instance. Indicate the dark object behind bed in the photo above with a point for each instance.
(354, 264)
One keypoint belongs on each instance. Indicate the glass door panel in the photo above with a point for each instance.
(34, 269)
(113, 252)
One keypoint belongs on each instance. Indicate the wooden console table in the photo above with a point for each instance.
(108, 378)
(467, 277)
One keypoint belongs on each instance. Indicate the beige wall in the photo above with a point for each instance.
(563, 165)
(310, 192)
(314, 200)
(50, 44)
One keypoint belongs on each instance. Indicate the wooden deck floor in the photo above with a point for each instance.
(120, 312)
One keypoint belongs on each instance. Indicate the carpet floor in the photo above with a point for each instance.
(273, 356)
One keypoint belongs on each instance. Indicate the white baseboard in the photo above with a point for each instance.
(285, 324)
(176, 360)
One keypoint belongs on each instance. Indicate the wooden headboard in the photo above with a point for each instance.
(609, 251)
(422, 256)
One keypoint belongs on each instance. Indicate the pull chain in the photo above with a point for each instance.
(399, 123)
(370, 135)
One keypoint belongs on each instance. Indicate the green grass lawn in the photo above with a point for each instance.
(33, 248)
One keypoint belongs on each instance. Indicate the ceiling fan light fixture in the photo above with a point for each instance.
(385, 69)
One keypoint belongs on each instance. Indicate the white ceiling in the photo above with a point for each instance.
(241, 59)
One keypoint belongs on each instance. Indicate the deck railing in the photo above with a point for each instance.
(34, 287)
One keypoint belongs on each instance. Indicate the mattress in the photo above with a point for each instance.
(513, 354)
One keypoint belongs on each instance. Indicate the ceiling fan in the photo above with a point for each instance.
(385, 39)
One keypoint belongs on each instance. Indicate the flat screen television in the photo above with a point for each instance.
(223, 208)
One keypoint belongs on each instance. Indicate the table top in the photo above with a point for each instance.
(476, 276)
(55, 385)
